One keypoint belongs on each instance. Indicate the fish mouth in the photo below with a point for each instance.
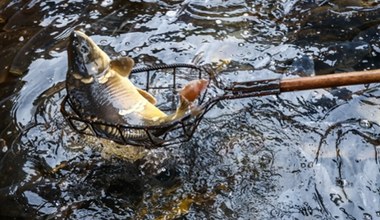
(85, 58)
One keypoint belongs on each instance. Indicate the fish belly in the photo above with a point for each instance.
(130, 104)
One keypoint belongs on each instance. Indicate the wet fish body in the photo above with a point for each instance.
(99, 89)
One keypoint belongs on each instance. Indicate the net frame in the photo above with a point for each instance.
(150, 136)
(176, 131)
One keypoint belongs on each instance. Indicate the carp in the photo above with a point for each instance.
(99, 87)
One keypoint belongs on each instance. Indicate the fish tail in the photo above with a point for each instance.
(193, 89)
(187, 96)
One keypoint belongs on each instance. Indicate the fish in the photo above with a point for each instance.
(99, 89)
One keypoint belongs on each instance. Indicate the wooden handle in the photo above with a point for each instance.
(333, 80)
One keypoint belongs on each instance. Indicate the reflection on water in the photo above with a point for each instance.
(311, 154)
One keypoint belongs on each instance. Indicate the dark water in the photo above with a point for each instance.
(305, 155)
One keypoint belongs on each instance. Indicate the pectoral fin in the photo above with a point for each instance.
(122, 65)
(147, 96)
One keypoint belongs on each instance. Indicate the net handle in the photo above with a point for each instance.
(332, 80)
(277, 86)
(247, 89)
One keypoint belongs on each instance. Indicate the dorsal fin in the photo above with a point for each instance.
(147, 96)
(122, 65)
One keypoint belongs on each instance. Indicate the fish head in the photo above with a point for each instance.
(86, 59)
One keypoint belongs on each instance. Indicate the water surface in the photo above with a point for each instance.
(311, 154)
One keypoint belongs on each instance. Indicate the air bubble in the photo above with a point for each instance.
(367, 216)
(275, 213)
(4, 146)
(106, 3)
(103, 42)
(365, 123)
(171, 13)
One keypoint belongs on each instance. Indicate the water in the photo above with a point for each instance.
(305, 155)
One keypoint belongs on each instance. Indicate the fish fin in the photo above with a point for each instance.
(193, 89)
(122, 65)
(147, 96)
